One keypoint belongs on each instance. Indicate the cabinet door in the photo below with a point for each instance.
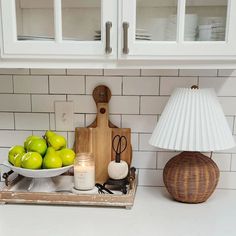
(177, 29)
(59, 28)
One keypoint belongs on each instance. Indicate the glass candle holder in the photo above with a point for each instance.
(84, 171)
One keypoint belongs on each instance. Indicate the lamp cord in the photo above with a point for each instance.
(211, 155)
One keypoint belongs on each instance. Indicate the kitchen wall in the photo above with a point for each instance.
(27, 107)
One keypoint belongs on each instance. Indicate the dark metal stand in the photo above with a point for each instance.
(121, 184)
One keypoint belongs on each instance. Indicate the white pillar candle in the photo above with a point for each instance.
(84, 171)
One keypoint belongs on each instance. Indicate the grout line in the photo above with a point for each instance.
(49, 85)
(14, 120)
(140, 105)
(31, 103)
(85, 84)
(234, 120)
(122, 86)
(231, 160)
(13, 89)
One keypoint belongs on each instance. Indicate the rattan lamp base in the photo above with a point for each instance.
(191, 177)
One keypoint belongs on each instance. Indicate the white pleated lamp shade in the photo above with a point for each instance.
(193, 120)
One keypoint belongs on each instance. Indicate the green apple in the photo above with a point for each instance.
(56, 141)
(51, 159)
(32, 160)
(14, 151)
(29, 139)
(67, 156)
(18, 159)
(37, 145)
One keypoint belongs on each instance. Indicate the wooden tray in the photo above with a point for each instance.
(15, 193)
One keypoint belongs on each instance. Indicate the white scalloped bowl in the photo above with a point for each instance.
(41, 173)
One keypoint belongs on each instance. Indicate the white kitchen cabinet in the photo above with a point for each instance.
(179, 29)
(118, 33)
(59, 28)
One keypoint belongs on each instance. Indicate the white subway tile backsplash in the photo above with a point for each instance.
(228, 105)
(8, 138)
(138, 99)
(144, 143)
(140, 85)
(124, 105)
(153, 104)
(31, 121)
(233, 163)
(198, 72)
(224, 86)
(227, 180)
(159, 72)
(83, 103)
(30, 84)
(122, 72)
(223, 160)
(168, 84)
(47, 71)
(135, 141)
(67, 84)
(45, 103)
(16, 71)
(6, 120)
(150, 177)
(113, 83)
(144, 160)
(15, 102)
(139, 123)
(6, 84)
(84, 71)
(227, 72)
(3, 154)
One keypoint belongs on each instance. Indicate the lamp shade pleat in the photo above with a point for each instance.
(192, 120)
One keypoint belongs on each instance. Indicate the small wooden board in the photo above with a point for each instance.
(9, 195)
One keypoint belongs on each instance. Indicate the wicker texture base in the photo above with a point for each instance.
(191, 177)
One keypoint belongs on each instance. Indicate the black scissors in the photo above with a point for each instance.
(119, 144)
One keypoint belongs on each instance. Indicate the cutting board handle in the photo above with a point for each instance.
(101, 94)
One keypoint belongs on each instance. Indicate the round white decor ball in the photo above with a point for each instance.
(118, 170)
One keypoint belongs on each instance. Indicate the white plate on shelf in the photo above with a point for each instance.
(41, 173)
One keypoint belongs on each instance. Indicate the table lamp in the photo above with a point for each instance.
(192, 122)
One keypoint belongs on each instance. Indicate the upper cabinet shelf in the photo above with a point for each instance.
(118, 32)
(166, 3)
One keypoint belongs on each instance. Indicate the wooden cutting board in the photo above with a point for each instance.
(97, 137)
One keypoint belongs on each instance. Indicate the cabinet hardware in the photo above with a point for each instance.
(108, 37)
(125, 37)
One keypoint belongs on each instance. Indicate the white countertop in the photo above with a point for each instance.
(153, 213)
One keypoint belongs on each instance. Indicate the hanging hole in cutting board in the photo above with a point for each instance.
(102, 110)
